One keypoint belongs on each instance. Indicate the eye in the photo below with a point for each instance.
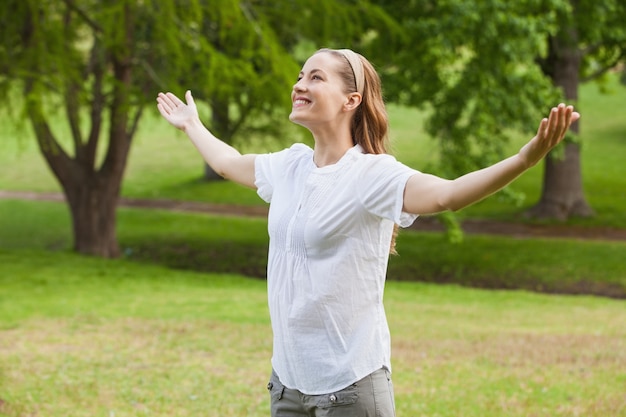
(299, 78)
(316, 77)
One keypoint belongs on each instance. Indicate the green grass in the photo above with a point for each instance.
(82, 336)
(225, 244)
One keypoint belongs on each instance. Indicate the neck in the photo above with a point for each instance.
(329, 154)
(331, 143)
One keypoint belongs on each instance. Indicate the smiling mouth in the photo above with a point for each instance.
(300, 102)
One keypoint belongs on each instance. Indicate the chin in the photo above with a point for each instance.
(295, 119)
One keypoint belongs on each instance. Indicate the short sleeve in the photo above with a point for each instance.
(382, 189)
(271, 167)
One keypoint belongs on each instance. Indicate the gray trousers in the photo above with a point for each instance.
(372, 396)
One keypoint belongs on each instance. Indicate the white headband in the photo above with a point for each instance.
(357, 68)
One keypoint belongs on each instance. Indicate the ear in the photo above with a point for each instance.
(353, 100)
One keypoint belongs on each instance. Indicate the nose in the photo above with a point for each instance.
(299, 86)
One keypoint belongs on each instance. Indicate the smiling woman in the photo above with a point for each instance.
(333, 214)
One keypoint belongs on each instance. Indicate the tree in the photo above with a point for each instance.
(252, 48)
(95, 61)
(103, 61)
(241, 69)
(476, 65)
(591, 40)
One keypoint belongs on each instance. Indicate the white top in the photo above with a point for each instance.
(330, 231)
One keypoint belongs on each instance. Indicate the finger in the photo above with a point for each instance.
(568, 120)
(175, 100)
(562, 124)
(163, 110)
(161, 104)
(159, 98)
(189, 98)
(553, 120)
(549, 125)
(167, 101)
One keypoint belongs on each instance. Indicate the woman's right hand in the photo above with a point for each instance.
(175, 111)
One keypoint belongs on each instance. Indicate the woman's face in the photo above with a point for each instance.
(319, 95)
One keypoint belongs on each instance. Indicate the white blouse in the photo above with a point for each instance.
(330, 231)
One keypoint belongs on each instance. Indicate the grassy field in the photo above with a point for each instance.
(89, 337)
(216, 244)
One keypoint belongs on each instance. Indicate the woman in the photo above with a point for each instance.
(331, 222)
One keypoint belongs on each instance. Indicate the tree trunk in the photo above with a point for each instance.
(92, 194)
(93, 208)
(562, 195)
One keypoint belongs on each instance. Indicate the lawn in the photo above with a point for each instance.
(219, 244)
(88, 337)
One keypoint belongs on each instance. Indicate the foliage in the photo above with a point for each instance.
(103, 61)
(95, 62)
(246, 55)
(472, 63)
(602, 34)
(477, 65)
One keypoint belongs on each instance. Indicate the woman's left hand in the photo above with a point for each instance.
(550, 133)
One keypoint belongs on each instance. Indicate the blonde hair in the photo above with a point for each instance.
(370, 124)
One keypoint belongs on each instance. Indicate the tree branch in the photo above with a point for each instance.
(601, 71)
(92, 23)
(135, 123)
(71, 100)
(56, 157)
(96, 68)
(72, 108)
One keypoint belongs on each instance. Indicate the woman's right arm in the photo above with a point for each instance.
(221, 157)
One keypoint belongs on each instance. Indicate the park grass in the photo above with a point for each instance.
(82, 336)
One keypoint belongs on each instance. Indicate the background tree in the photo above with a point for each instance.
(96, 65)
(252, 52)
(474, 64)
(92, 64)
(590, 41)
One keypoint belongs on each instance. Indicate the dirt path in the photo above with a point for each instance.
(520, 230)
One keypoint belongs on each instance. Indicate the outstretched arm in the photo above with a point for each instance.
(223, 158)
(429, 194)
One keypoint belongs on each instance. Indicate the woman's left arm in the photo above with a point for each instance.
(429, 194)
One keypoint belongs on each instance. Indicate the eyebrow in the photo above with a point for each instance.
(314, 70)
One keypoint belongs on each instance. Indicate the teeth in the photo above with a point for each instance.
(300, 102)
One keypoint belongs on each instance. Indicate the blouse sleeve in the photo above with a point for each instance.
(382, 189)
(271, 167)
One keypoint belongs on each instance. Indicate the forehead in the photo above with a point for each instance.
(324, 61)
